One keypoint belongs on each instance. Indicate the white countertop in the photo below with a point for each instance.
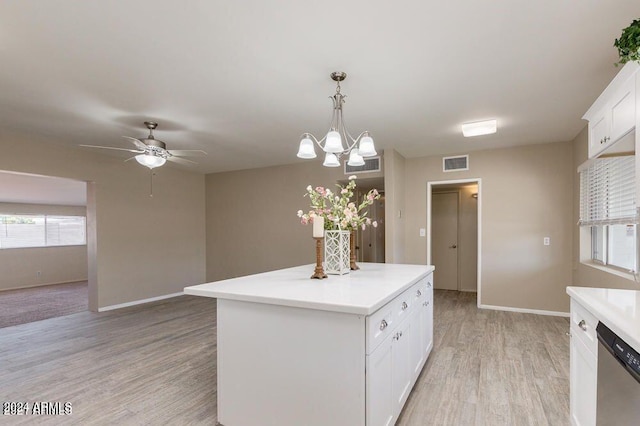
(617, 309)
(360, 292)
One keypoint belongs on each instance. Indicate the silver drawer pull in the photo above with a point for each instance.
(404, 305)
(429, 284)
(583, 325)
(426, 303)
(418, 293)
(383, 324)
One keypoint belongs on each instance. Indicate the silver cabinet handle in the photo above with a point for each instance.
(568, 333)
(418, 293)
(383, 325)
(583, 325)
(429, 284)
(404, 305)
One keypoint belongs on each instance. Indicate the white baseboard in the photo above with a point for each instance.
(468, 290)
(525, 311)
(139, 302)
(43, 284)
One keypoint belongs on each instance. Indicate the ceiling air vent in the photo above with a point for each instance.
(455, 164)
(371, 164)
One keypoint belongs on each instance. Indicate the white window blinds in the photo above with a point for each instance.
(607, 192)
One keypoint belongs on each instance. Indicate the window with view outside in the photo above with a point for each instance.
(614, 245)
(23, 231)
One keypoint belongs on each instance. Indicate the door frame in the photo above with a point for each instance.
(477, 181)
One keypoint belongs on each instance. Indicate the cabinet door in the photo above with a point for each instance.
(417, 350)
(428, 333)
(583, 382)
(623, 111)
(401, 358)
(599, 132)
(380, 399)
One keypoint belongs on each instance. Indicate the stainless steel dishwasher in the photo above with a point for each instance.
(618, 380)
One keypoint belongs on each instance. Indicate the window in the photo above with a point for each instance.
(20, 231)
(608, 207)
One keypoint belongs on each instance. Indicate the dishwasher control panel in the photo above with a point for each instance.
(618, 347)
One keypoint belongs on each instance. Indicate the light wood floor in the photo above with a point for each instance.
(156, 365)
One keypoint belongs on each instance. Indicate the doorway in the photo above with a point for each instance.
(453, 226)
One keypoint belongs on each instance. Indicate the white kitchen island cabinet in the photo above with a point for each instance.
(341, 351)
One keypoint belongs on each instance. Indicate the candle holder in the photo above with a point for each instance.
(319, 271)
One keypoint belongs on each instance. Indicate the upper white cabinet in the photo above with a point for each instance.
(613, 114)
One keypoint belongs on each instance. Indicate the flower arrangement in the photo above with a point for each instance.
(337, 209)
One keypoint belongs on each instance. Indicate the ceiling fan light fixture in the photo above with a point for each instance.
(479, 128)
(150, 161)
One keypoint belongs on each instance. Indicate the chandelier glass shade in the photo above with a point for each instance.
(333, 144)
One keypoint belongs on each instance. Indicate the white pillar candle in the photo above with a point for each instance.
(318, 227)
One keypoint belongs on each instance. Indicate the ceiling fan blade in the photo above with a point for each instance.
(181, 161)
(110, 147)
(137, 142)
(187, 152)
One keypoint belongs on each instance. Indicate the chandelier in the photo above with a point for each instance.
(333, 142)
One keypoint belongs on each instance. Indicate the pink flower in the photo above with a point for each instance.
(375, 224)
(370, 197)
(364, 226)
(368, 221)
(304, 220)
(344, 191)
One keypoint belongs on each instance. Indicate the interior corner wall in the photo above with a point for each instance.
(252, 225)
(585, 275)
(394, 185)
(525, 196)
(145, 246)
(59, 264)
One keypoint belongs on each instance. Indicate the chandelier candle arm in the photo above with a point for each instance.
(333, 144)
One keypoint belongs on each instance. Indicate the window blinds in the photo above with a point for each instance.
(607, 192)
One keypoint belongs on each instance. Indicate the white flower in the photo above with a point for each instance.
(309, 188)
(352, 177)
(329, 193)
(375, 224)
(300, 213)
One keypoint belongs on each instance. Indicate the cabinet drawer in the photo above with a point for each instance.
(380, 324)
(583, 326)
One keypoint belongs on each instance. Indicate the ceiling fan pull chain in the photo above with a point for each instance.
(151, 182)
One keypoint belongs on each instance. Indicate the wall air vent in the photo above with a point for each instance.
(455, 164)
(371, 164)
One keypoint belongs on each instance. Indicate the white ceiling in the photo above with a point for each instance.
(243, 80)
(36, 189)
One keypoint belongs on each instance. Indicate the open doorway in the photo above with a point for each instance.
(43, 247)
(454, 234)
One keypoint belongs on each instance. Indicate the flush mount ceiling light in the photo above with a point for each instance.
(332, 144)
(479, 128)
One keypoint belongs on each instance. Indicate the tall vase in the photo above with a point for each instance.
(336, 252)
(352, 243)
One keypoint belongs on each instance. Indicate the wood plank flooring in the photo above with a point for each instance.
(155, 364)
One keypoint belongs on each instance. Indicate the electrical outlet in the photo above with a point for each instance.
(547, 241)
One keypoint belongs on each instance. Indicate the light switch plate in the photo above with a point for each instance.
(423, 232)
(546, 241)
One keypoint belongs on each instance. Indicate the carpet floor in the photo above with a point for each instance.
(37, 303)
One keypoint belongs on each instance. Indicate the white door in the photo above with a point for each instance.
(444, 239)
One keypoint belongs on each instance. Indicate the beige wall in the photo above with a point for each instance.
(525, 197)
(394, 186)
(144, 247)
(585, 275)
(56, 264)
(251, 218)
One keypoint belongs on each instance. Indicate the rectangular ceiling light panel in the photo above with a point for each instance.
(479, 128)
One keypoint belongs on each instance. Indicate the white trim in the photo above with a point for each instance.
(466, 290)
(139, 302)
(524, 311)
(445, 182)
(42, 285)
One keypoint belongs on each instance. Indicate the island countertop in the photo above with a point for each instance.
(360, 292)
(617, 309)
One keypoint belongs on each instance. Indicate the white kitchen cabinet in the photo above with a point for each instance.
(294, 351)
(613, 114)
(583, 366)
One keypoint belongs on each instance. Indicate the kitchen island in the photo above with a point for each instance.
(340, 351)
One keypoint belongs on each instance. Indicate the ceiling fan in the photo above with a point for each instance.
(151, 152)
